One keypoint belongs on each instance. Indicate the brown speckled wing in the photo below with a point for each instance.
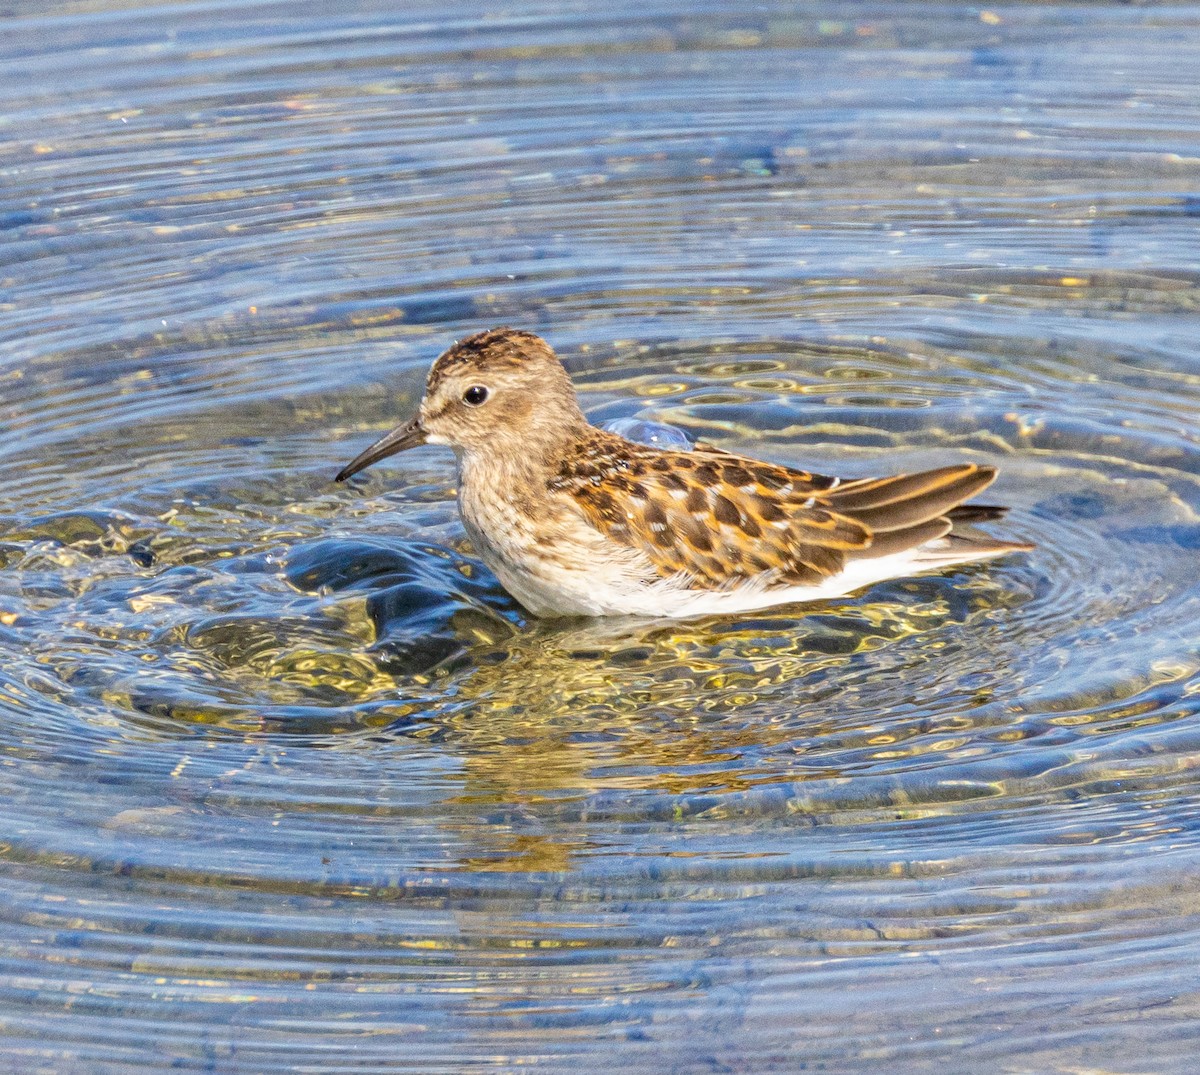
(721, 518)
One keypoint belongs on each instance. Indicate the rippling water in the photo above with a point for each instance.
(290, 784)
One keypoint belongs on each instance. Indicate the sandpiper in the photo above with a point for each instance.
(577, 521)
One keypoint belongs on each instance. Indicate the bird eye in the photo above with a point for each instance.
(475, 395)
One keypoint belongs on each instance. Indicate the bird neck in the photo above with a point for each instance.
(521, 463)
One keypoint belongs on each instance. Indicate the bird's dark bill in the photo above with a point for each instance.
(406, 436)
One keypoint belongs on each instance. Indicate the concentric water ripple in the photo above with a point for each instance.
(289, 782)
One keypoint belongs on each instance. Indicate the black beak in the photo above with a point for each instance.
(408, 435)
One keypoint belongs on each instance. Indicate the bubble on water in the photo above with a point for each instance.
(655, 434)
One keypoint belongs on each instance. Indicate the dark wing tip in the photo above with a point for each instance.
(977, 513)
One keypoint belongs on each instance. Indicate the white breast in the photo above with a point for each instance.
(546, 554)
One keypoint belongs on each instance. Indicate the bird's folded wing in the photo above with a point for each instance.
(720, 519)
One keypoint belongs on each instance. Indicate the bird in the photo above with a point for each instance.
(574, 520)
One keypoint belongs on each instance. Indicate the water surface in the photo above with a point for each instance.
(290, 784)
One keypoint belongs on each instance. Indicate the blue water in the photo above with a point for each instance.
(290, 784)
